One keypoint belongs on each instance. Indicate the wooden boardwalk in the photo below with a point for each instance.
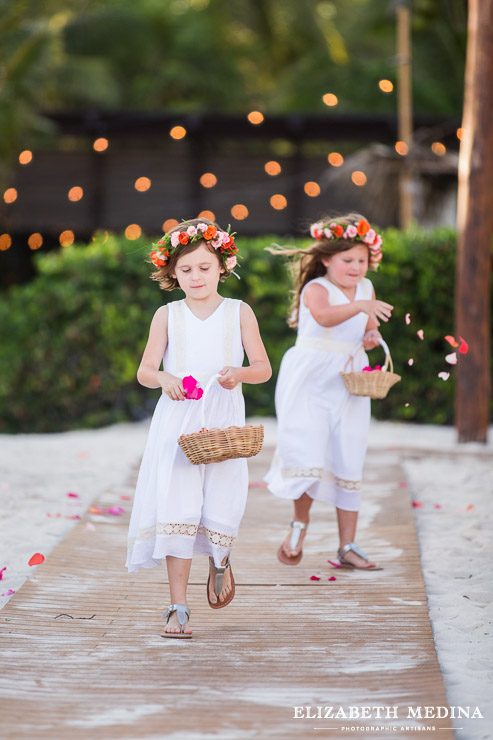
(82, 657)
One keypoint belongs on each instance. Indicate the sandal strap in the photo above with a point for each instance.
(352, 546)
(219, 574)
(182, 612)
(297, 528)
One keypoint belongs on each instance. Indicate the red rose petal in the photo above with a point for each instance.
(314, 578)
(336, 565)
(1, 572)
(417, 505)
(463, 347)
(36, 559)
(73, 495)
(332, 578)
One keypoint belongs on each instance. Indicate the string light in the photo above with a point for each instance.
(210, 215)
(272, 168)
(100, 145)
(10, 195)
(142, 184)
(330, 99)
(170, 223)
(312, 189)
(278, 202)
(255, 117)
(5, 242)
(25, 157)
(75, 193)
(335, 159)
(359, 178)
(401, 148)
(438, 148)
(35, 241)
(208, 180)
(386, 86)
(178, 132)
(67, 238)
(239, 212)
(133, 231)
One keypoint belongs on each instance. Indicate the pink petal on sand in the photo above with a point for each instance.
(336, 565)
(451, 340)
(95, 510)
(410, 362)
(8, 593)
(314, 578)
(36, 559)
(464, 347)
(332, 578)
(402, 484)
(73, 495)
(257, 484)
(451, 358)
(420, 333)
(417, 505)
(1, 572)
(444, 376)
(469, 507)
(72, 516)
(408, 318)
(126, 498)
(438, 506)
(116, 510)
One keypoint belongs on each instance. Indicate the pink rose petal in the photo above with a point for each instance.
(95, 510)
(314, 578)
(336, 565)
(73, 495)
(332, 578)
(1, 572)
(408, 318)
(469, 507)
(463, 347)
(410, 362)
(126, 498)
(438, 506)
(420, 333)
(406, 405)
(444, 376)
(36, 559)
(451, 358)
(417, 505)
(72, 516)
(402, 484)
(8, 593)
(116, 510)
(451, 340)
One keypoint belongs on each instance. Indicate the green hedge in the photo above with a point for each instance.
(71, 340)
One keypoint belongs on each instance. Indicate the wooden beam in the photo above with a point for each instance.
(475, 229)
(404, 111)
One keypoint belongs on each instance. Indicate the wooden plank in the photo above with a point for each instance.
(82, 654)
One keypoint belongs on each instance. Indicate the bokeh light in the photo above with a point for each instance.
(35, 241)
(312, 189)
(272, 168)
(142, 184)
(133, 231)
(255, 117)
(386, 86)
(67, 238)
(5, 242)
(100, 145)
(75, 193)
(239, 212)
(330, 99)
(208, 180)
(25, 157)
(460, 134)
(178, 132)
(10, 195)
(278, 202)
(401, 148)
(335, 159)
(359, 178)
(207, 214)
(170, 223)
(438, 148)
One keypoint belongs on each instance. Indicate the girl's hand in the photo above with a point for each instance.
(172, 386)
(370, 339)
(229, 379)
(377, 310)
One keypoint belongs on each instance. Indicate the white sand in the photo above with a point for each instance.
(454, 484)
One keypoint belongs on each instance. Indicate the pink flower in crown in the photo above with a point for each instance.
(217, 242)
(378, 241)
(224, 237)
(175, 238)
(231, 262)
(202, 227)
(369, 237)
(327, 233)
(351, 231)
(316, 230)
(191, 231)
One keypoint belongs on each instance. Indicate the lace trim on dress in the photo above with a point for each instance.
(169, 529)
(217, 538)
(322, 474)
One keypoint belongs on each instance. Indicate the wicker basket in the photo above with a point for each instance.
(217, 445)
(376, 383)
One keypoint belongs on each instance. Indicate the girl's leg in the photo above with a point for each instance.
(347, 521)
(178, 574)
(302, 507)
(227, 587)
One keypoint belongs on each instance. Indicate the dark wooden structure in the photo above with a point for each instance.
(475, 224)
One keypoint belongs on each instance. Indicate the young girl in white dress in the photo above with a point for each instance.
(181, 509)
(322, 429)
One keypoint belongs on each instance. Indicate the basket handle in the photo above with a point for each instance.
(388, 358)
(211, 380)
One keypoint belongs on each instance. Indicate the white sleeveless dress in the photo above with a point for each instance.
(322, 429)
(179, 508)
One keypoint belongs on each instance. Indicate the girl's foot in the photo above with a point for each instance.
(227, 587)
(291, 549)
(351, 556)
(173, 628)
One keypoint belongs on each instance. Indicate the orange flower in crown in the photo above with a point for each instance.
(360, 231)
(222, 240)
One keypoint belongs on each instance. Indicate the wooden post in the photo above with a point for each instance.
(475, 229)
(404, 111)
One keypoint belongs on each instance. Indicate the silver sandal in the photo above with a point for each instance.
(218, 574)
(353, 547)
(297, 528)
(182, 612)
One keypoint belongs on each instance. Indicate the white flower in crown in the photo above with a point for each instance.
(369, 237)
(202, 227)
(316, 229)
(350, 232)
(175, 238)
(191, 231)
(231, 262)
(327, 233)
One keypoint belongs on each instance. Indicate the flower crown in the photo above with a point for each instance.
(222, 240)
(360, 232)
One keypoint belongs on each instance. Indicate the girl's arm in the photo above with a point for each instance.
(148, 373)
(370, 339)
(259, 369)
(317, 300)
